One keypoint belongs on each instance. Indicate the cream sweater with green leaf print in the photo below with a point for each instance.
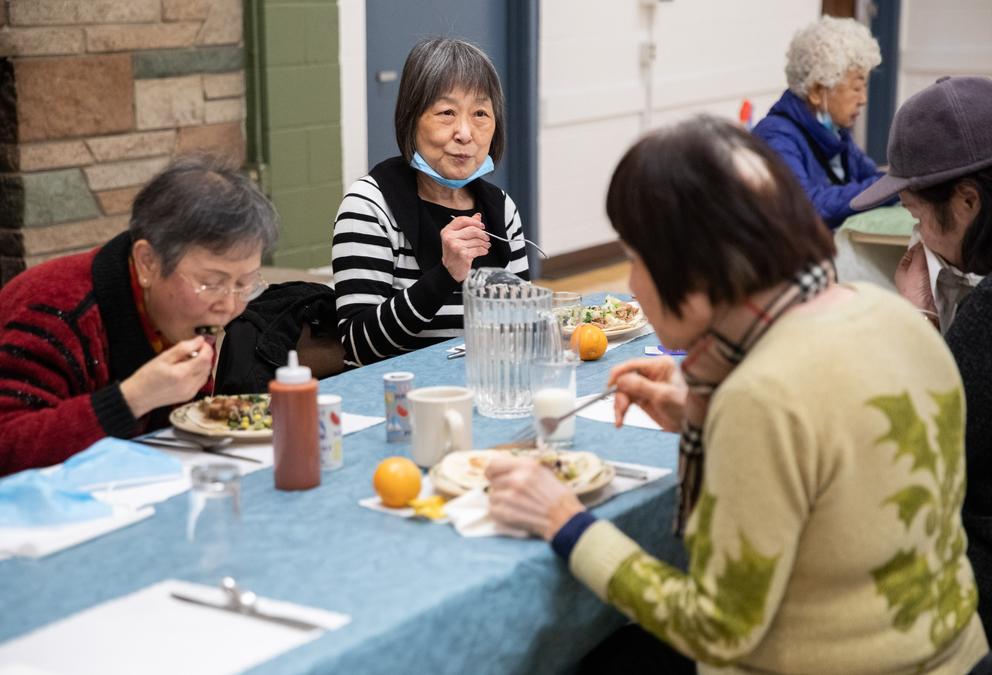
(828, 538)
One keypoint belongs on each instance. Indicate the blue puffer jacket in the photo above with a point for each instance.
(783, 130)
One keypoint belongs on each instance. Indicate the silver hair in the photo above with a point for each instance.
(434, 67)
(199, 200)
(825, 51)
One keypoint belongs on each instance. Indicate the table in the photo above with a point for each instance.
(421, 598)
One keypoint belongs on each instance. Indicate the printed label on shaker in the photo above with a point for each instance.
(396, 386)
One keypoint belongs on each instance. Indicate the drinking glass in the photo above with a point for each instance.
(553, 389)
(213, 525)
(567, 306)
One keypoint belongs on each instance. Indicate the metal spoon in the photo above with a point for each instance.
(548, 425)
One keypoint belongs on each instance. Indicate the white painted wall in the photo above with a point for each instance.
(596, 97)
(943, 37)
(354, 118)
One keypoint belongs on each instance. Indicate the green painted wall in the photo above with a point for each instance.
(294, 123)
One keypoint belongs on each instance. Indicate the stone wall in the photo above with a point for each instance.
(96, 96)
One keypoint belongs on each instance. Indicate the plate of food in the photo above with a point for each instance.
(244, 416)
(464, 470)
(616, 317)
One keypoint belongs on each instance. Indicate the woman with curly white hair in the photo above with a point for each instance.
(827, 72)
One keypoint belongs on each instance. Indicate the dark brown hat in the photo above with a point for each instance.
(943, 132)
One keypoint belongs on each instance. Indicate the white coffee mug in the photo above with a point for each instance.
(441, 421)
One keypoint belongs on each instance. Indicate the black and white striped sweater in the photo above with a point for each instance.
(393, 293)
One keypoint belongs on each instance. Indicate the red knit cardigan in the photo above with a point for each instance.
(69, 334)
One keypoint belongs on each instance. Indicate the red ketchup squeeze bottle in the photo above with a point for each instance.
(294, 426)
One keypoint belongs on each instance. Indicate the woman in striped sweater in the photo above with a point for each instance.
(406, 235)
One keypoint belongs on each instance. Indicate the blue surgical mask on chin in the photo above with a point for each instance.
(420, 164)
(826, 121)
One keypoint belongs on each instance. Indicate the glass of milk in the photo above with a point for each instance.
(553, 393)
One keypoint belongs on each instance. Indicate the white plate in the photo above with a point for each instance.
(618, 331)
(601, 478)
(181, 418)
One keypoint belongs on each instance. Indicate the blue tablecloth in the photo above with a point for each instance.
(422, 599)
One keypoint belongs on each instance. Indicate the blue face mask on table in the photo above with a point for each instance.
(62, 495)
(32, 499)
(113, 462)
(421, 165)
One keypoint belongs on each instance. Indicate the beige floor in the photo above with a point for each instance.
(611, 278)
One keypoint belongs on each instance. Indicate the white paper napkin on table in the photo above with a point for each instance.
(470, 512)
(612, 344)
(426, 490)
(37, 542)
(350, 422)
(470, 516)
(602, 411)
(151, 632)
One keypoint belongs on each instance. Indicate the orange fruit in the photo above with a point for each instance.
(588, 341)
(396, 481)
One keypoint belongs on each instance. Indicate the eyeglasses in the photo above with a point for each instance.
(211, 293)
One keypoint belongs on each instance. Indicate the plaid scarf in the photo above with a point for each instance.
(714, 356)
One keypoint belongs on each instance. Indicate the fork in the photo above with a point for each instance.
(548, 425)
(526, 241)
(509, 241)
(187, 441)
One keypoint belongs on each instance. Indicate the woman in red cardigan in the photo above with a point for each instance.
(105, 343)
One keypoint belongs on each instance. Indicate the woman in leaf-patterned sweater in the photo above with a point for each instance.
(821, 456)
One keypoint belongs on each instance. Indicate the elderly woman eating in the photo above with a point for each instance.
(406, 235)
(820, 478)
(104, 343)
(810, 125)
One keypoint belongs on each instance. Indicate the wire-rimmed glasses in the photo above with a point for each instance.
(211, 293)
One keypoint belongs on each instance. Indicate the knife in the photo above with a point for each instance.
(629, 472)
(281, 620)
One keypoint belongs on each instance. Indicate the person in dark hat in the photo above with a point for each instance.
(940, 154)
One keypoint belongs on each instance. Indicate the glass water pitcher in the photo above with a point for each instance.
(509, 326)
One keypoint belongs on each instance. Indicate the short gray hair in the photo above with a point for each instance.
(199, 200)
(825, 51)
(434, 67)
